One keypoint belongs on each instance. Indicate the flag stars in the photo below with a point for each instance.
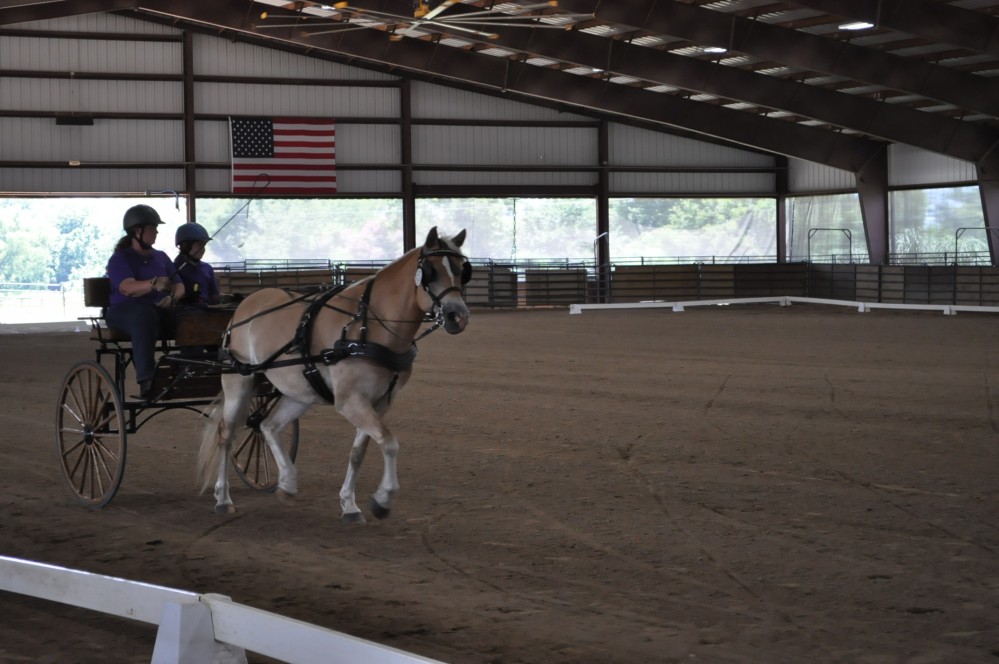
(252, 138)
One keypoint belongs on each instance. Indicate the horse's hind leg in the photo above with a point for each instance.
(238, 390)
(348, 506)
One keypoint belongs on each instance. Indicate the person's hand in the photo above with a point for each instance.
(165, 302)
(161, 283)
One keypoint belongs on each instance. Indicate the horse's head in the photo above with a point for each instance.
(441, 273)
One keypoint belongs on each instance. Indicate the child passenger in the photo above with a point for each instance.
(200, 286)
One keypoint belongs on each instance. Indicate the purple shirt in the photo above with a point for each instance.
(127, 263)
(199, 281)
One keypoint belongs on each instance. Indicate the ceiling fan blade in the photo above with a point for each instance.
(436, 11)
(483, 13)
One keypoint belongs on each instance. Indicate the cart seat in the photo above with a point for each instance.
(194, 328)
(107, 334)
(97, 293)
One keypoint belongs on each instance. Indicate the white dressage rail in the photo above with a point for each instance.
(193, 628)
(786, 301)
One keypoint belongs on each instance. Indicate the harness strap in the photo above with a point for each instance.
(397, 362)
(303, 338)
(343, 348)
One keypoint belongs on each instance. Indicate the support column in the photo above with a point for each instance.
(782, 188)
(406, 173)
(872, 185)
(190, 156)
(601, 245)
(988, 187)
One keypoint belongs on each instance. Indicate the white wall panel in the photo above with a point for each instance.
(808, 176)
(305, 100)
(368, 144)
(87, 180)
(526, 146)
(692, 183)
(211, 140)
(437, 102)
(347, 181)
(909, 166)
(507, 178)
(214, 179)
(634, 146)
(222, 57)
(91, 55)
(75, 96)
(41, 139)
(354, 182)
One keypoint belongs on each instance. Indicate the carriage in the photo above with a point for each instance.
(96, 414)
(253, 371)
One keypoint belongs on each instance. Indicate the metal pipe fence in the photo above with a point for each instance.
(927, 278)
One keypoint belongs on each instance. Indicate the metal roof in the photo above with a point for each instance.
(794, 78)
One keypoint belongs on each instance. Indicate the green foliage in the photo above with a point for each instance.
(58, 240)
(938, 221)
(338, 229)
(692, 227)
(24, 253)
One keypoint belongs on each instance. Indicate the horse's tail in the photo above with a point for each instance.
(212, 442)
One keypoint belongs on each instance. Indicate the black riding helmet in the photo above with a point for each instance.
(140, 215)
(191, 232)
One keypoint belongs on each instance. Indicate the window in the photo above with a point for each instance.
(508, 229)
(930, 225)
(693, 229)
(826, 229)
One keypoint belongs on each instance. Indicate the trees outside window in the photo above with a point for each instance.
(693, 229)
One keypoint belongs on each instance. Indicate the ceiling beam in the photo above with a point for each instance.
(530, 82)
(798, 49)
(19, 11)
(961, 140)
(933, 21)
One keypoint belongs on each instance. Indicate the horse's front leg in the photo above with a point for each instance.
(351, 513)
(362, 415)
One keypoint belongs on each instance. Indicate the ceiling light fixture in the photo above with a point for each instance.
(856, 25)
(715, 49)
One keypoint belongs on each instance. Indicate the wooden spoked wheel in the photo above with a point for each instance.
(90, 434)
(252, 458)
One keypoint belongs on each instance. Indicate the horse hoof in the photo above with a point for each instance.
(377, 510)
(353, 517)
(225, 509)
(285, 497)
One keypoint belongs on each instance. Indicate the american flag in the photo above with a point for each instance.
(283, 155)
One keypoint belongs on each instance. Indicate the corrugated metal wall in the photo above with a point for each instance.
(223, 57)
(809, 177)
(909, 166)
(137, 141)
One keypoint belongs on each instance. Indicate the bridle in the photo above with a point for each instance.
(426, 274)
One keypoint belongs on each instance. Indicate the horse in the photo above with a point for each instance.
(352, 347)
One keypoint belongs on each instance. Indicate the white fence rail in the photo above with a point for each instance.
(193, 628)
(786, 301)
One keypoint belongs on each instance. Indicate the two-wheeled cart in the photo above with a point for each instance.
(95, 413)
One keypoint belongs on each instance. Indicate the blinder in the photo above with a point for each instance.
(426, 273)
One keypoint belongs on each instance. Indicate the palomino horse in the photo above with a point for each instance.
(352, 347)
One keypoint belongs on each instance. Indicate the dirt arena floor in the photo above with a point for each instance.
(748, 484)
